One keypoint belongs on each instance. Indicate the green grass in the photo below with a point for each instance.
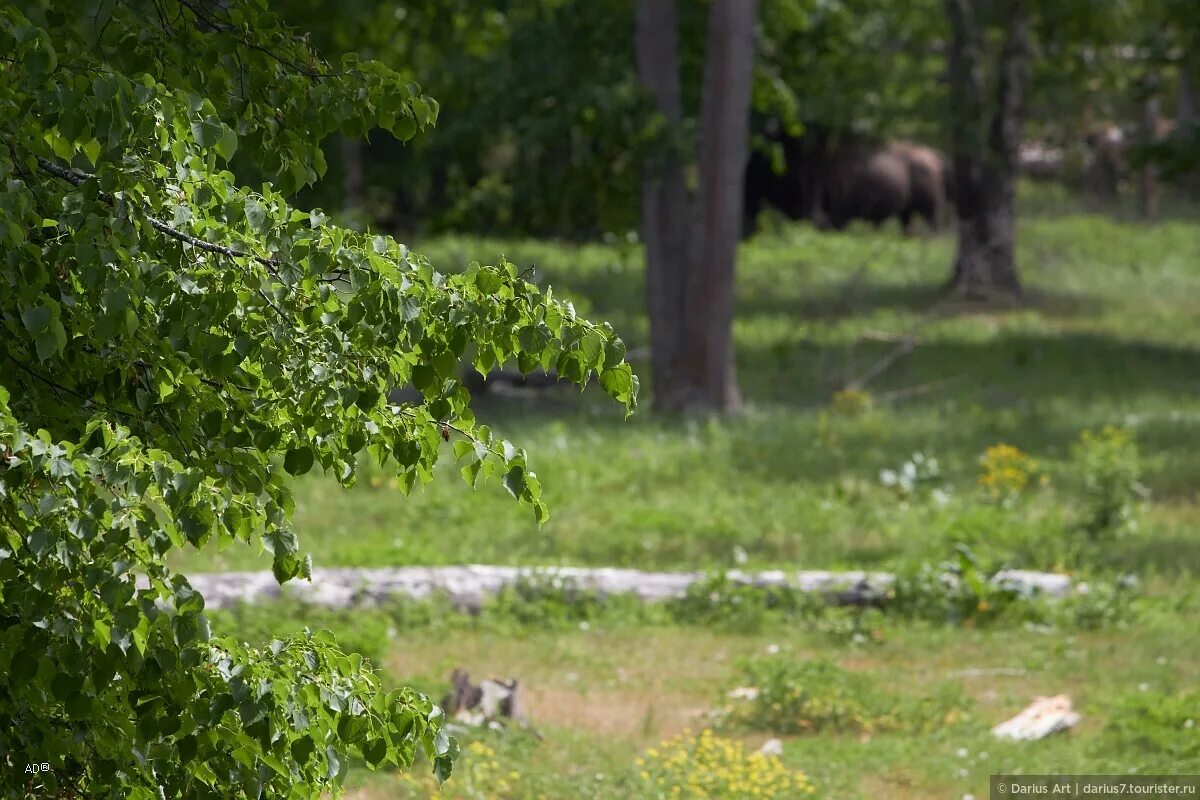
(1109, 334)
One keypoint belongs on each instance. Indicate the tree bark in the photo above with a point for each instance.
(1188, 114)
(1149, 176)
(986, 138)
(691, 252)
(664, 200)
(1187, 121)
(723, 150)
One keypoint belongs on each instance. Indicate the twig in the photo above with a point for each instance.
(920, 388)
(448, 426)
(224, 27)
(843, 302)
(54, 384)
(882, 336)
(76, 178)
(903, 348)
(892, 356)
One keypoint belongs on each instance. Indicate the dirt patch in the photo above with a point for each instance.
(641, 685)
(614, 712)
(673, 661)
(864, 664)
(896, 785)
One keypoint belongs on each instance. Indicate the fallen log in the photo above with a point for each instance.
(469, 586)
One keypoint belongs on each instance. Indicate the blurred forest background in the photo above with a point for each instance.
(543, 126)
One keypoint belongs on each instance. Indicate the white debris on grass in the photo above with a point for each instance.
(1043, 717)
(771, 747)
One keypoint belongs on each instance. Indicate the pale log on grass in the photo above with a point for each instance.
(467, 587)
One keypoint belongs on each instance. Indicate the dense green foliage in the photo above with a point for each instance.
(853, 65)
(806, 697)
(541, 121)
(543, 126)
(175, 344)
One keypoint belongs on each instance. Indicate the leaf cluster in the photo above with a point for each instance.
(175, 345)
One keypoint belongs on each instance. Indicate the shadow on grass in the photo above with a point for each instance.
(953, 398)
(1003, 371)
(855, 297)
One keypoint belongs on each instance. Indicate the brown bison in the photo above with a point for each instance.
(900, 179)
(836, 184)
(932, 182)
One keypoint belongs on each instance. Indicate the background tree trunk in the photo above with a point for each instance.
(664, 201)
(1188, 115)
(723, 150)
(352, 174)
(690, 253)
(1187, 121)
(1149, 176)
(985, 139)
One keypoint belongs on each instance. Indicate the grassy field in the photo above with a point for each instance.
(907, 714)
(1109, 335)
(600, 697)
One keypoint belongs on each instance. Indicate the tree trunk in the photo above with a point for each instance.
(1149, 176)
(664, 200)
(690, 253)
(1188, 114)
(723, 150)
(1187, 122)
(986, 138)
(352, 174)
(439, 177)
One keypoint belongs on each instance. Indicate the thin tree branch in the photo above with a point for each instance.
(52, 383)
(77, 178)
(902, 348)
(226, 28)
(61, 388)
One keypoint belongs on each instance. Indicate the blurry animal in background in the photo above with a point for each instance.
(833, 182)
(930, 184)
(869, 184)
(1106, 162)
(782, 174)
(899, 179)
